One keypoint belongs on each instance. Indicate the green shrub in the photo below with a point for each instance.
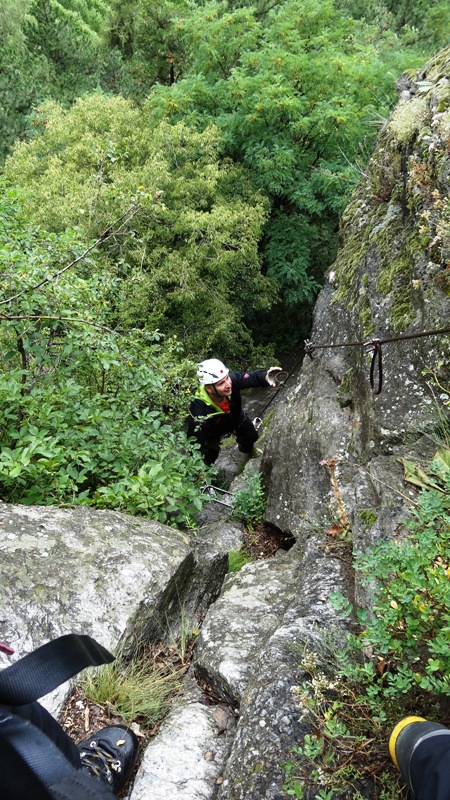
(249, 503)
(341, 756)
(89, 415)
(398, 663)
(63, 444)
(409, 629)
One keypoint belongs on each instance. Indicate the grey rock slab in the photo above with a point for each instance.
(81, 570)
(251, 604)
(268, 726)
(270, 721)
(186, 759)
(223, 535)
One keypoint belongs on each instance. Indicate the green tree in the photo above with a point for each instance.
(88, 415)
(51, 48)
(192, 265)
(70, 37)
(20, 72)
(294, 93)
(423, 24)
(13, 16)
(148, 36)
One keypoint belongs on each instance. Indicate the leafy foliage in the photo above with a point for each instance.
(418, 22)
(293, 95)
(148, 37)
(344, 752)
(191, 266)
(14, 14)
(249, 503)
(89, 416)
(21, 76)
(410, 628)
(52, 48)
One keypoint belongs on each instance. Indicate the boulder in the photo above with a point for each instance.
(116, 577)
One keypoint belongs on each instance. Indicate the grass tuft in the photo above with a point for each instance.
(134, 690)
(237, 559)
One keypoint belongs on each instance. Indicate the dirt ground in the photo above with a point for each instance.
(264, 540)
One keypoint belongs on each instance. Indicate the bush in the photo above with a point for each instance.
(64, 441)
(249, 503)
(409, 630)
(90, 415)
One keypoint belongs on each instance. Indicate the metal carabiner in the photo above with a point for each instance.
(377, 360)
(211, 491)
(278, 380)
(309, 348)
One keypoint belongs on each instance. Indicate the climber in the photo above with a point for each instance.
(420, 749)
(39, 758)
(216, 410)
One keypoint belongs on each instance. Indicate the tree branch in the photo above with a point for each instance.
(125, 217)
(7, 318)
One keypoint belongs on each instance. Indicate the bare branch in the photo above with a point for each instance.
(7, 318)
(107, 234)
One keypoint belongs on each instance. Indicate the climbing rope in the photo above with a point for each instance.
(377, 353)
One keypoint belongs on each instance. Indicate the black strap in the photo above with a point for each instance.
(33, 767)
(49, 666)
(376, 357)
(36, 767)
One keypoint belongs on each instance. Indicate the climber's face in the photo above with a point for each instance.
(220, 389)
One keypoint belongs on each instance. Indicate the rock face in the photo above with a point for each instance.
(110, 575)
(330, 458)
(391, 279)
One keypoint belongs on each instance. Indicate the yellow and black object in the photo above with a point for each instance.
(420, 749)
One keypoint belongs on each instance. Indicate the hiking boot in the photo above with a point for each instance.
(110, 755)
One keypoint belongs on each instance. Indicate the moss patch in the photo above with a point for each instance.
(407, 119)
(368, 516)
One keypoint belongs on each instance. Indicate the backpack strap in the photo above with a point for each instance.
(44, 669)
(35, 767)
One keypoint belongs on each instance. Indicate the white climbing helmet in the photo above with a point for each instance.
(211, 371)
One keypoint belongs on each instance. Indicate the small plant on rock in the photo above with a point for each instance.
(237, 559)
(139, 689)
(408, 632)
(342, 752)
(249, 504)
